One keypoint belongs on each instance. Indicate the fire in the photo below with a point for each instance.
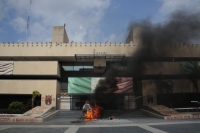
(94, 112)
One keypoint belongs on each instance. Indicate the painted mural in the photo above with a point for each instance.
(6, 67)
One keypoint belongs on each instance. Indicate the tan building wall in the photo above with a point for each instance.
(155, 68)
(58, 87)
(59, 69)
(51, 68)
(45, 87)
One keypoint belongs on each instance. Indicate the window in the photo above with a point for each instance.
(78, 66)
(68, 66)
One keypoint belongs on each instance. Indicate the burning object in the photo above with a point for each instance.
(111, 118)
(94, 112)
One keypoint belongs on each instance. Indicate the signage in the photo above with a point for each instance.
(48, 99)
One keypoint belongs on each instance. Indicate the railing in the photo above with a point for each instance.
(188, 109)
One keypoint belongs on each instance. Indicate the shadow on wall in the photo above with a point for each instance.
(179, 95)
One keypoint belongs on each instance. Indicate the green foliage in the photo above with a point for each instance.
(193, 69)
(4, 111)
(195, 74)
(35, 94)
(16, 107)
(163, 86)
(28, 105)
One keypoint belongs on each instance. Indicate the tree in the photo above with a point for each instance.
(195, 75)
(192, 69)
(163, 86)
(34, 95)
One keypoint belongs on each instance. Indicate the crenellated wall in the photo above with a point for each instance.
(67, 51)
(59, 51)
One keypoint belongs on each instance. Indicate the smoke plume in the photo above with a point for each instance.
(181, 27)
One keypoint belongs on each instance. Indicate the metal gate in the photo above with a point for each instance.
(63, 102)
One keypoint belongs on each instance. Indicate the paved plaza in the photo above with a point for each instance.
(133, 125)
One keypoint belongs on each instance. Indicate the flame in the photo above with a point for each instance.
(94, 112)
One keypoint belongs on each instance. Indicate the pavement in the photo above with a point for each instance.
(135, 122)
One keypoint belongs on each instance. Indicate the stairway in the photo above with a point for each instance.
(161, 109)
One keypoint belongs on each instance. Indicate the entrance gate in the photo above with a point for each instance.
(63, 102)
(75, 102)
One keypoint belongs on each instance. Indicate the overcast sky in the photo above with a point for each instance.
(86, 20)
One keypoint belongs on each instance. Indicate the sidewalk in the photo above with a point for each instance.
(134, 123)
(67, 118)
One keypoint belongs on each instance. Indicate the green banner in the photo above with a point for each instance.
(85, 85)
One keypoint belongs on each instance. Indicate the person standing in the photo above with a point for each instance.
(86, 107)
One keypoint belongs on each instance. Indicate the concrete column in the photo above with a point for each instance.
(59, 35)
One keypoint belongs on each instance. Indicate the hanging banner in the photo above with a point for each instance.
(87, 85)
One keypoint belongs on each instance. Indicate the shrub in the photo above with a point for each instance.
(16, 107)
(4, 111)
(28, 105)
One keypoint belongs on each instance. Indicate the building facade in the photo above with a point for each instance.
(60, 69)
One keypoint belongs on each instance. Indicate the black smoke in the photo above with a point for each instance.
(104, 91)
(180, 28)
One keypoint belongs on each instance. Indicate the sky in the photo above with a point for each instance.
(86, 20)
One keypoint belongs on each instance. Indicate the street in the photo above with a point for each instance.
(133, 125)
